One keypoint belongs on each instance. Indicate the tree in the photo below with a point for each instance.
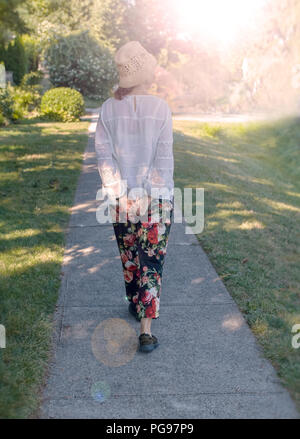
(10, 19)
(108, 22)
(273, 56)
(153, 23)
(73, 14)
(79, 61)
(14, 59)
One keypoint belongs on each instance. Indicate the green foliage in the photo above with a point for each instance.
(2, 53)
(6, 104)
(17, 101)
(31, 46)
(3, 120)
(15, 59)
(57, 15)
(52, 18)
(10, 19)
(109, 23)
(62, 104)
(25, 100)
(79, 62)
(32, 78)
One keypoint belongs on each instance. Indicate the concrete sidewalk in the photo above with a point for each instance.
(208, 365)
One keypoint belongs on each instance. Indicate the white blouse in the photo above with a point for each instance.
(134, 144)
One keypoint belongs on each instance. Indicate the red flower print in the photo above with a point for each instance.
(130, 266)
(129, 239)
(146, 225)
(128, 276)
(138, 273)
(124, 258)
(153, 236)
(128, 254)
(145, 268)
(151, 309)
(146, 297)
(135, 298)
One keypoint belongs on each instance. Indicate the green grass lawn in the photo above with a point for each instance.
(39, 166)
(251, 179)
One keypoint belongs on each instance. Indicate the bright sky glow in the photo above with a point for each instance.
(219, 19)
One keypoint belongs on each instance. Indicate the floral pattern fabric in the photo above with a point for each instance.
(142, 247)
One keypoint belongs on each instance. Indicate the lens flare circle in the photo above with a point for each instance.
(114, 342)
(100, 391)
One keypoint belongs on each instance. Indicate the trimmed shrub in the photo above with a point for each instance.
(62, 104)
(79, 62)
(15, 59)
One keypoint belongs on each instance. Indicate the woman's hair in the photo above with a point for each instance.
(121, 92)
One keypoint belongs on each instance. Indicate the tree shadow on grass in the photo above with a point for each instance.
(39, 168)
(251, 210)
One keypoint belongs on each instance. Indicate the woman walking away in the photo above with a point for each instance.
(134, 146)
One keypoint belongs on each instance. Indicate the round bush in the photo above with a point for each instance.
(62, 104)
(79, 62)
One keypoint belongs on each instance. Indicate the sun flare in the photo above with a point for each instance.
(219, 19)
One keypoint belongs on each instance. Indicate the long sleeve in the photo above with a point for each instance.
(161, 173)
(112, 182)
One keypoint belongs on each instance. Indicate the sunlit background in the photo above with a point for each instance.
(221, 20)
(216, 56)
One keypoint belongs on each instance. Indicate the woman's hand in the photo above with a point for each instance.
(138, 206)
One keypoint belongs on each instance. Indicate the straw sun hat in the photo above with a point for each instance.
(134, 64)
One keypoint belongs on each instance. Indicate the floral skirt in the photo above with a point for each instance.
(143, 246)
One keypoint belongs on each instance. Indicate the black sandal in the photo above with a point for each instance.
(148, 342)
